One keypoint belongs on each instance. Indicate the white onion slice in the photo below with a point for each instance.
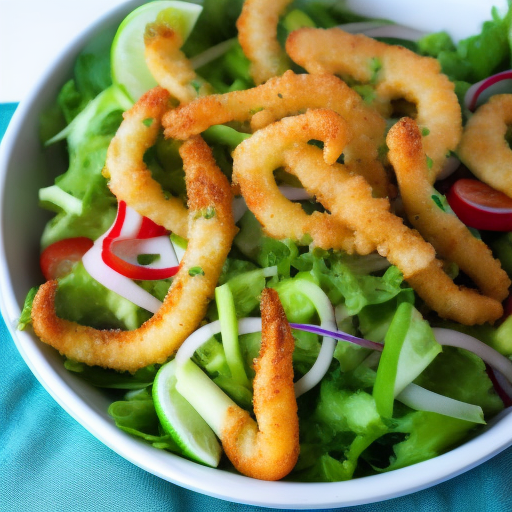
(422, 399)
(123, 286)
(378, 29)
(492, 357)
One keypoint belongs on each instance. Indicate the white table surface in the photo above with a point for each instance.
(32, 32)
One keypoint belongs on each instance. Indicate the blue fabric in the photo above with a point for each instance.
(48, 462)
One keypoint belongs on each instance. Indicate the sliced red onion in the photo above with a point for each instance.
(315, 329)
(130, 249)
(422, 399)
(480, 92)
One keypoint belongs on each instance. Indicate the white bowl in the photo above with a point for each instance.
(23, 169)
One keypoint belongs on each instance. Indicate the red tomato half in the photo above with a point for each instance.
(58, 258)
(480, 206)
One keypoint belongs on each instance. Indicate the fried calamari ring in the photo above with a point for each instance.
(280, 217)
(450, 237)
(484, 148)
(169, 66)
(185, 305)
(267, 448)
(396, 73)
(130, 179)
(257, 34)
(287, 95)
(349, 199)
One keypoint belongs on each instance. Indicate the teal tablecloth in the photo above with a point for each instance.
(48, 462)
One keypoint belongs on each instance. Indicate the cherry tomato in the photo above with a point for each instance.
(58, 258)
(480, 206)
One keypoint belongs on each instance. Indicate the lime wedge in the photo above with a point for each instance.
(128, 65)
(179, 419)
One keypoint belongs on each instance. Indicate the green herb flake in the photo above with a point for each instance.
(430, 162)
(280, 95)
(147, 259)
(148, 121)
(375, 67)
(425, 131)
(196, 271)
(196, 84)
(438, 202)
(208, 213)
(255, 110)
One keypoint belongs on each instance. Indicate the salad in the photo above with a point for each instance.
(382, 381)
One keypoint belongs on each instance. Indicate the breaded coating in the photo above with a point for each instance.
(289, 95)
(129, 178)
(257, 34)
(394, 72)
(210, 238)
(451, 239)
(484, 148)
(169, 65)
(267, 448)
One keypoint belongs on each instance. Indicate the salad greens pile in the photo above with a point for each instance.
(342, 434)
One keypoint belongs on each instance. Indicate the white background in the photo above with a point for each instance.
(33, 32)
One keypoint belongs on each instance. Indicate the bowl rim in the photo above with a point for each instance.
(172, 468)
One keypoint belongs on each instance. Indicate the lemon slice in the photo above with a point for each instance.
(128, 65)
(179, 419)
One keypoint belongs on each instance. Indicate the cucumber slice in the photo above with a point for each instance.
(179, 419)
(128, 64)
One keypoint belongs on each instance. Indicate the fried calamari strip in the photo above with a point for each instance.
(450, 237)
(395, 73)
(210, 238)
(169, 65)
(267, 448)
(484, 148)
(349, 199)
(257, 34)
(279, 217)
(130, 179)
(288, 95)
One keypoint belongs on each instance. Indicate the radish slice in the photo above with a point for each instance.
(479, 93)
(480, 206)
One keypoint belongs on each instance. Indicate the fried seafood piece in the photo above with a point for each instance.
(484, 148)
(349, 199)
(395, 73)
(257, 34)
(288, 95)
(451, 239)
(267, 448)
(280, 217)
(130, 180)
(210, 238)
(169, 65)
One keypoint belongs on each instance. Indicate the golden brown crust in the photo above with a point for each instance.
(257, 34)
(395, 73)
(267, 449)
(450, 237)
(484, 148)
(289, 95)
(186, 302)
(129, 178)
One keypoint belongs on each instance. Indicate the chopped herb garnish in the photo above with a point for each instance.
(425, 131)
(279, 95)
(255, 110)
(196, 84)
(430, 162)
(196, 271)
(438, 202)
(147, 259)
(375, 67)
(148, 121)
